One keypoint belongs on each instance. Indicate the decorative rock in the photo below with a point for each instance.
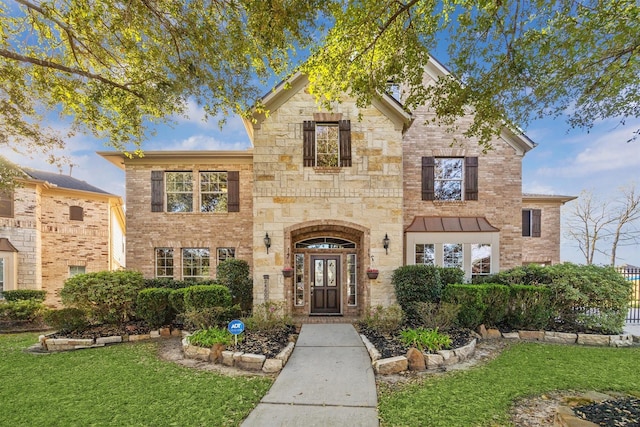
(415, 360)
(155, 334)
(176, 333)
(109, 340)
(621, 341)
(227, 358)
(560, 337)
(391, 365)
(433, 361)
(636, 338)
(236, 356)
(511, 335)
(466, 351)
(592, 339)
(493, 334)
(531, 335)
(448, 356)
(165, 332)
(251, 362)
(272, 366)
(374, 354)
(286, 353)
(142, 337)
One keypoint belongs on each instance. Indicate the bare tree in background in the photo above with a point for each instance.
(594, 222)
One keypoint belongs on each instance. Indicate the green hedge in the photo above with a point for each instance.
(205, 296)
(24, 310)
(67, 319)
(168, 283)
(176, 299)
(154, 307)
(235, 274)
(107, 296)
(416, 283)
(24, 294)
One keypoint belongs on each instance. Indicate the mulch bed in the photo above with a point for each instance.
(268, 343)
(98, 331)
(623, 412)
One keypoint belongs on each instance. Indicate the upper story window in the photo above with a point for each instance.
(76, 213)
(531, 222)
(327, 144)
(186, 191)
(449, 178)
(6, 204)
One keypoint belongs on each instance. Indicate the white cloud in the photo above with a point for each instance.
(204, 142)
(196, 115)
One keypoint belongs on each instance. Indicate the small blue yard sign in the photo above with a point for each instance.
(236, 327)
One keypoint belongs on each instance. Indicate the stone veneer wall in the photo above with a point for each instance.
(545, 248)
(148, 230)
(499, 181)
(369, 193)
(67, 243)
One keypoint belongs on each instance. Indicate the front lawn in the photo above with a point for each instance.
(120, 385)
(482, 396)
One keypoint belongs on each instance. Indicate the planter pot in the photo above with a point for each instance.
(372, 274)
(287, 273)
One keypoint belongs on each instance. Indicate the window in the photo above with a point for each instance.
(425, 254)
(327, 144)
(449, 178)
(531, 222)
(76, 213)
(299, 280)
(352, 288)
(213, 192)
(6, 204)
(480, 259)
(195, 264)
(225, 254)
(74, 270)
(174, 191)
(452, 255)
(164, 262)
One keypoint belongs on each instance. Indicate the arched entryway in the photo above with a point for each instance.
(328, 259)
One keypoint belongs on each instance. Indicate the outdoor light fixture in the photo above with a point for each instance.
(385, 243)
(267, 242)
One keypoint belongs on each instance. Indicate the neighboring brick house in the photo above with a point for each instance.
(332, 194)
(53, 226)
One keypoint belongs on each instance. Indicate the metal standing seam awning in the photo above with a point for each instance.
(6, 246)
(440, 224)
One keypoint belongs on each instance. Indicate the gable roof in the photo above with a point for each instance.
(63, 181)
(531, 197)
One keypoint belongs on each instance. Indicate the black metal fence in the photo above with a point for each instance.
(633, 275)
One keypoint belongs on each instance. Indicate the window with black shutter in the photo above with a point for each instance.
(233, 189)
(6, 204)
(449, 178)
(327, 144)
(531, 222)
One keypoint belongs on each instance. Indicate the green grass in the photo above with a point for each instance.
(482, 396)
(121, 385)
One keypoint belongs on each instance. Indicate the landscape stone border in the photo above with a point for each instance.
(52, 345)
(419, 361)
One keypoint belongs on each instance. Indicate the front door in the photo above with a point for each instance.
(325, 284)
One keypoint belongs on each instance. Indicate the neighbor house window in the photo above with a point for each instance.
(480, 259)
(195, 192)
(164, 262)
(76, 213)
(179, 191)
(225, 254)
(74, 270)
(531, 222)
(213, 192)
(425, 254)
(195, 264)
(449, 178)
(452, 255)
(6, 204)
(327, 144)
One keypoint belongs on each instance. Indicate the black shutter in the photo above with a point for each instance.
(233, 191)
(526, 222)
(428, 178)
(157, 191)
(345, 142)
(6, 204)
(536, 222)
(76, 213)
(471, 178)
(309, 143)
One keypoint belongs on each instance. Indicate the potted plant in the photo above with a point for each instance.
(287, 272)
(372, 273)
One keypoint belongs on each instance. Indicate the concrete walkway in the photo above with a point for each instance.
(328, 381)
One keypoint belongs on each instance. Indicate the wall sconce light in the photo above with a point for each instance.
(267, 242)
(385, 243)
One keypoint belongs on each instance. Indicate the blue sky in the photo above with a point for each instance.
(564, 162)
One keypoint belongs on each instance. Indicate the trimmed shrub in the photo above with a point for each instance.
(530, 307)
(488, 303)
(416, 283)
(67, 319)
(450, 275)
(176, 299)
(22, 310)
(168, 283)
(153, 306)
(24, 294)
(205, 296)
(107, 296)
(235, 274)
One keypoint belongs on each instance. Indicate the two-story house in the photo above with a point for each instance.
(53, 226)
(333, 194)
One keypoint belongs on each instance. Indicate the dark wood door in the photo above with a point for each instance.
(325, 284)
